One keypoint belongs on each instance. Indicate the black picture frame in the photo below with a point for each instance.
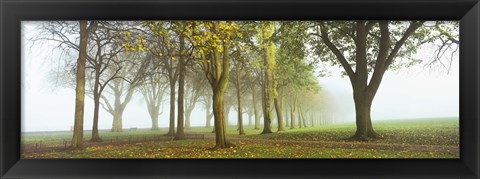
(12, 12)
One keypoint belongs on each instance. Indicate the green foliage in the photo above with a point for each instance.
(343, 33)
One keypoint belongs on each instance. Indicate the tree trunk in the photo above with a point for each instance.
(118, 113)
(250, 123)
(227, 111)
(363, 105)
(187, 118)
(208, 118)
(285, 111)
(268, 82)
(255, 110)
(312, 119)
(304, 120)
(219, 115)
(292, 117)
(299, 118)
(95, 134)
(279, 114)
(171, 128)
(180, 135)
(239, 103)
(190, 106)
(267, 116)
(153, 110)
(117, 120)
(240, 117)
(155, 121)
(77, 139)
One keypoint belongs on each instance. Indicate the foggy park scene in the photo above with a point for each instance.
(240, 89)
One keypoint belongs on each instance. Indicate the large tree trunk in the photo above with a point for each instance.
(363, 105)
(219, 86)
(255, 110)
(153, 108)
(267, 116)
(219, 115)
(118, 113)
(279, 114)
(77, 139)
(154, 117)
(171, 128)
(119, 107)
(117, 120)
(180, 135)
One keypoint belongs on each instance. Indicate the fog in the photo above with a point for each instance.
(414, 92)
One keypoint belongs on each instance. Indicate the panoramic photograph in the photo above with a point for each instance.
(240, 89)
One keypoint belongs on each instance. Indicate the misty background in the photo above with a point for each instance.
(415, 92)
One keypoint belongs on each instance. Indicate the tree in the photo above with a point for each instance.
(103, 53)
(370, 47)
(153, 91)
(206, 100)
(196, 87)
(133, 71)
(266, 31)
(290, 38)
(77, 139)
(239, 67)
(212, 41)
(255, 75)
(180, 135)
(229, 103)
(101, 56)
(161, 41)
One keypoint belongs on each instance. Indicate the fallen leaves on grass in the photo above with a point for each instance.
(249, 149)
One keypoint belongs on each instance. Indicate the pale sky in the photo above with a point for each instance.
(416, 92)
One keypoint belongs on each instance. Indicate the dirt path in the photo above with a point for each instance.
(348, 145)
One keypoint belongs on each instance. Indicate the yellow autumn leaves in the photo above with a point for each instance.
(203, 36)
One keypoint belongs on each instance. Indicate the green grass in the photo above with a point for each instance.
(202, 149)
(53, 137)
(416, 138)
(444, 131)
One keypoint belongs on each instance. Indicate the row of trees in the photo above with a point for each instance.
(225, 64)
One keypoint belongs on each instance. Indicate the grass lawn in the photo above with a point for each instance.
(416, 138)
